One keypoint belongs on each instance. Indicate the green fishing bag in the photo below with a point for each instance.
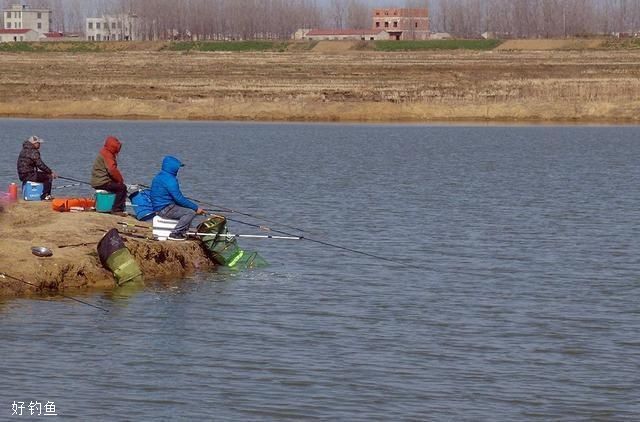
(224, 250)
(125, 269)
(115, 256)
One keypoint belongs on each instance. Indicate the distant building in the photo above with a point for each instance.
(440, 36)
(62, 36)
(300, 34)
(345, 34)
(403, 23)
(23, 17)
(112, 28)
(388, 24)
(18, 35)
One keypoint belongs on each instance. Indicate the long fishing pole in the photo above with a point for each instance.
(67, 186)
(5, 276)
(248, 236)
(222, 208)
(74, 180)
(333, 245)
(257, 217)
(226, 209)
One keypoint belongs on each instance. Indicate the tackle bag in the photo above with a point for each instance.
(224, 250)
(73, 204)
(142, 206)
(115, 256)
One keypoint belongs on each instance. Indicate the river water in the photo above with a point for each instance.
(511, 289)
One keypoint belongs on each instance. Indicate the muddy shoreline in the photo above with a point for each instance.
(77, 268)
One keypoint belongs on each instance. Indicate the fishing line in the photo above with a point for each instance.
(74, 180)
(5, 276)
(248, 236)
(320, 242)
(230, 210)
(67, 186)
(257, 217)
(344, 248)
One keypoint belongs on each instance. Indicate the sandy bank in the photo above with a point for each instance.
(28, 224)
(367, 86)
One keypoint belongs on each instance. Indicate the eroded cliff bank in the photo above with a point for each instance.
(73, 239)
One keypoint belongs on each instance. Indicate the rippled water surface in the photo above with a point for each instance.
(512, 292)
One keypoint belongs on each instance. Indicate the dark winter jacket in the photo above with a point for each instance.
(105, 167)
(29, 162)
(165, 189)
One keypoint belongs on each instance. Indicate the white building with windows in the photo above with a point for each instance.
(18, 35)
(112, 28)
(344, 34)
(23, 17)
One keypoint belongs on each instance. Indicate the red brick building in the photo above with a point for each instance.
(403, 23)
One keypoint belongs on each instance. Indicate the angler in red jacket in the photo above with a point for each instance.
(106, 176)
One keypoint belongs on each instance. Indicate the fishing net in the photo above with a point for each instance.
(224, 250)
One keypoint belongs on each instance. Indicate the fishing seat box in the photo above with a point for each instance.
(162, 227)
(104, 200)
(32, 191)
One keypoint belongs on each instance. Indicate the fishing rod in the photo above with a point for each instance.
(230, 210)
(222, 208)
(249, 236)
(124, 223)
(67, 186)
(74, 180)
(320, 242)
(332, 245)
(77, 244)
(257, 217)
(5, 276)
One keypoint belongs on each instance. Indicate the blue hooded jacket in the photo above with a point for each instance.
(165, 189)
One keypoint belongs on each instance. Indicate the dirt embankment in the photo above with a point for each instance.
(350, 85)
(78, 267)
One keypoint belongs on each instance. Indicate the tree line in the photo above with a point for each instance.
(279, 19)
(537, 18)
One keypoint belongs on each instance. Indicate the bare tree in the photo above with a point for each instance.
(338, 12)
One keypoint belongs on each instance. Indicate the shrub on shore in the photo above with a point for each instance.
(227, 46)
(407, 45)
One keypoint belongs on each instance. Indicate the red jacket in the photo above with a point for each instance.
(106, 165)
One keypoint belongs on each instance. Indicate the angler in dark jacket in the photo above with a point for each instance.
(169, 202)
(106, 176)
(31, 168)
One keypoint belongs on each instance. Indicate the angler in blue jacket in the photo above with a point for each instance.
(168, 201)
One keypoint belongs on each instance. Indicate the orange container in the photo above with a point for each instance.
(68, 204)
(13, 192)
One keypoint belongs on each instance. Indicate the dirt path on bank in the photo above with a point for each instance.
(580, 86)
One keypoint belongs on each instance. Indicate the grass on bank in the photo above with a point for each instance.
(436, 45)
(624, 43)
(52, 46)
(237, 46)
(280, 46)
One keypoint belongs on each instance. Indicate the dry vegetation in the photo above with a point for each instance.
(325, 85)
